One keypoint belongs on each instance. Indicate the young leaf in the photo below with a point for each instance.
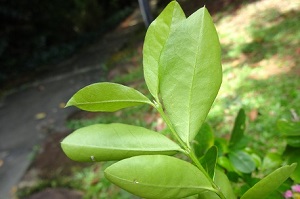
(107, 97)
(209, 160)
(104, 142)
(222, 146)
(203, 140)
(158, 176)
(242, 161)
(238, 130)
(270, 183)
(222, 181)
(291, 154)
(190, 73)
(156, 37)
(224, 184)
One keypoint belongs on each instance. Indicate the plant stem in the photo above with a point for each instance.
(200, 167)
(197, 163)
(187, 149)
(220, 194)
(159, 108)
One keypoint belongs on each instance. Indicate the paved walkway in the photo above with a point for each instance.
(27, 115)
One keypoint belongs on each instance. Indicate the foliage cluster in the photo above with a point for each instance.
(291, 132)
(182, 69)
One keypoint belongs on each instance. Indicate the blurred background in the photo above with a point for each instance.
(35, 34)
(50, 49)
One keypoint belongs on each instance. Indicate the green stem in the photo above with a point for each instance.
(188, 150)
(200, 167)
(159, 108)
(220, 194)
(198, 164)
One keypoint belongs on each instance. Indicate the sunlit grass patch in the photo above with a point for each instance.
(261, 69)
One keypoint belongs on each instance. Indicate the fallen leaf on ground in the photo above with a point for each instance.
(40, 116)
(62, 105)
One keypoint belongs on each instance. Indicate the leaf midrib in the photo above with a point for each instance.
(194, 72)
(167, 187)
(121, 149)
(164, 45)
(112, 101)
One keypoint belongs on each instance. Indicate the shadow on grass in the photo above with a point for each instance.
(263, 77)
(216, 6)
(265, 101)
(278, 97)
(280, 38)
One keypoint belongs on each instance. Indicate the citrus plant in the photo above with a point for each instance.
(183, 72)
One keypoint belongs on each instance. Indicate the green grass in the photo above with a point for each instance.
(96, 186)
(261, 71)
(134, 116)
(272, 99)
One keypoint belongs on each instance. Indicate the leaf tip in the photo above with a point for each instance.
(293, 166)
(69, 103)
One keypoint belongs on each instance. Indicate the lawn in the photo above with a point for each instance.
(261, 69)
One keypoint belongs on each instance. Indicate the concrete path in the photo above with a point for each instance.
(28, 114)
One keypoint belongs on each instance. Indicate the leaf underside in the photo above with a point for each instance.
(155, 40)
(190, 73)
(209, 160)
(107, 97)
(242, 161)
(270, 183)
(158, 176)
(105, 142)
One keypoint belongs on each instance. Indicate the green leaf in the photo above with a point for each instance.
(288, 128)
(158, 176)
(224, 184)
(291, 155)
(238, 130)
(209, 160)
(256, 159)
(271, 161)
(270, 183)
(155, 40)
(293, 141)
(191, 197)
(208, 195)
(104, 142)
(222, 146)
(203, 140)
(190, 73)
(291, 130)
(107, 97)
(242, 161)
(225, 163)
